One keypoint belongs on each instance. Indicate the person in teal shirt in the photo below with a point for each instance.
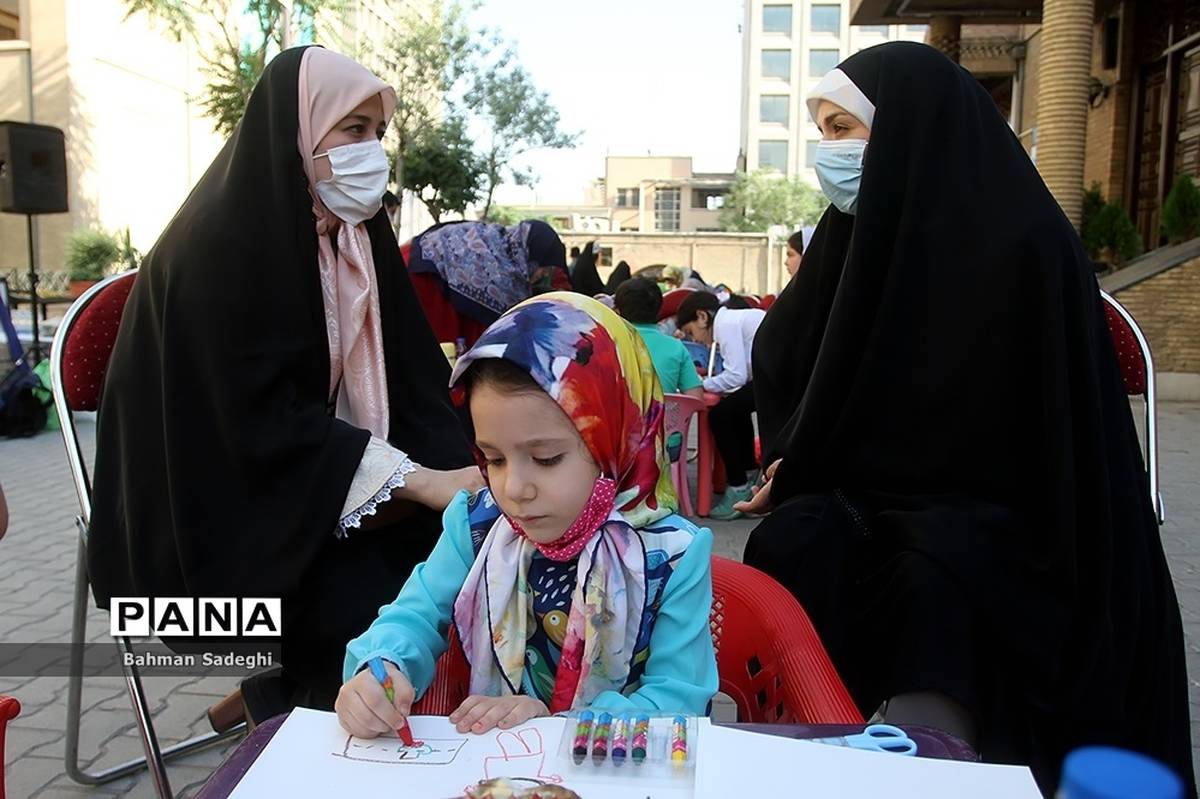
(571, 580)
(637, 301)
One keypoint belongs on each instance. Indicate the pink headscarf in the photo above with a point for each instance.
(331, 86)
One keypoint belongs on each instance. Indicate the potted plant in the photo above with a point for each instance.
(1108, 234)
(89, 254)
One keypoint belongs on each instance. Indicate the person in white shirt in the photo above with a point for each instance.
(703, 320)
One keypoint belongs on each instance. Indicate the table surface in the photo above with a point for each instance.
(930, 743)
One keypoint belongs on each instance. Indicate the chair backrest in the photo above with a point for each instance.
(451, 682)
(671, 302)
(680, 410)
(767, 301)
(770, 659)
(79, 360)
(1137, 372)
(9, 708)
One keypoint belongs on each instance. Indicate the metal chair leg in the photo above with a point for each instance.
(156, 757)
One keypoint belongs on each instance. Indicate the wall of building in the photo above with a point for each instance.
(123, 92)
(1109, 116)
(742, 261)
(1167, 308)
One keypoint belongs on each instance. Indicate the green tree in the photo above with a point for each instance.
(232, 64)
(764, 198)
(430, 63)
(1181, 211)
(518, 118)
(442, 169)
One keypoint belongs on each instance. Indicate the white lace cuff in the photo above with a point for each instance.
(381, 470)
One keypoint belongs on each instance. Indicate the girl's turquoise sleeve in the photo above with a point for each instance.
(681, 673)
(411, 632)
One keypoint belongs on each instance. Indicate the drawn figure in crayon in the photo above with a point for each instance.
(430, 752)
(521, 756)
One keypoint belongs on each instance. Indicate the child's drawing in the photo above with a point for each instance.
(430, 752)
(521, 756)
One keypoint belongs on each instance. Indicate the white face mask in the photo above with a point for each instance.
(839, 168)
(360, 173)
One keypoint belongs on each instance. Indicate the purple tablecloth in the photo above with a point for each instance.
(930, 743)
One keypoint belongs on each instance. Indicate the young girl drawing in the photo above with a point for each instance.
(571, 581)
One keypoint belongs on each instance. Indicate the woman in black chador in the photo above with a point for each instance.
(960, 501)
(275, 421)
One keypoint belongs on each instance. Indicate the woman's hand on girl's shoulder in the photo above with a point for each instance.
(478, 714)
(434, 489)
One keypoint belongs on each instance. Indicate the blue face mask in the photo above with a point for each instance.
(839, 171)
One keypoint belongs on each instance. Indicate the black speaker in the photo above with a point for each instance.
(33, 169)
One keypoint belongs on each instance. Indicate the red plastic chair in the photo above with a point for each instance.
(451, 682)
(1137, 371)
(771, 660)
(78, 364)
(681, 409)
(671, 302)
(10, 708)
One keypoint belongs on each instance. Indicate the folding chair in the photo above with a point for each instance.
(9, 709)
(79, 360)
(1137, 371)
(770, 659)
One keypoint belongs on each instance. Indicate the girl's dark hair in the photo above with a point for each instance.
(499, 374)
(796, 241)
(696, 301)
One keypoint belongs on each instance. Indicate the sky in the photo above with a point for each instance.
(633, 76)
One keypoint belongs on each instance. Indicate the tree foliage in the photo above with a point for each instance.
(442, 169)
(1181, 211)
(232, 64)
(519, 118)
(761, 199)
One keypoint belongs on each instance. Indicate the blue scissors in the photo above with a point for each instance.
(876, 738)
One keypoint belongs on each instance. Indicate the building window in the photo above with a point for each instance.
(875, 30)
(777, 64)
(666, 209)
(708, 199)
(810, 153)
(821, 61)
(773, 108)
(777, 19)
(628, 198)
(827, 19)
(773, 155)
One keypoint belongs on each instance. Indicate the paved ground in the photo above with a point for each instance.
(37, 567)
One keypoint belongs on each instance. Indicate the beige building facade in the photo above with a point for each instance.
(645, 194)
(787, 47)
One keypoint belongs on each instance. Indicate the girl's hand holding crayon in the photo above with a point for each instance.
(363, 708)
(479, 714)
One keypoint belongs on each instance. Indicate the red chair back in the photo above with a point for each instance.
(771, 660)
(451, 682)
(1129, 350)
(89, 343)
(681, 409)
(767, 302)
(9, 709)
(671, 302)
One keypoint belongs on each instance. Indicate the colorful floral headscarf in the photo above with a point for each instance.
(569, 343)
(595, 366)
